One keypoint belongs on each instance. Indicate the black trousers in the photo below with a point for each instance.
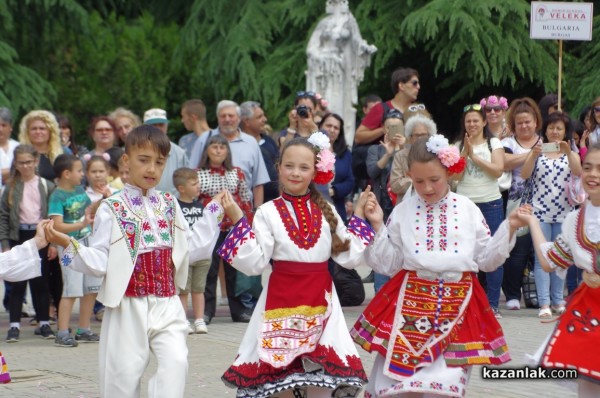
(514, 266)
(39, 286)
(236, 307)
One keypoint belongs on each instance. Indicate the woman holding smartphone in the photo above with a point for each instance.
(551, 165)
(479, 182)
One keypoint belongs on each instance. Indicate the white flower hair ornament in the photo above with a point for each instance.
(325, 158)
(448, 155)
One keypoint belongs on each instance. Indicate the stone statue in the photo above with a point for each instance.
(337, 59)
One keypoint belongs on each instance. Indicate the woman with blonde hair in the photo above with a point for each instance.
(40, 129)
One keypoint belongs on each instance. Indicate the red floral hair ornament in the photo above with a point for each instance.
(325, 158)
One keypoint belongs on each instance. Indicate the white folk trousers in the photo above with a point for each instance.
(130, 332)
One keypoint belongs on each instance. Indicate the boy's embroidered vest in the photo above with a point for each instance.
(127, 231)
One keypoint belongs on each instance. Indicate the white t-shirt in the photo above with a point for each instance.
(476, 184)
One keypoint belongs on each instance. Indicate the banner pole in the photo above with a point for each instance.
(560, 45)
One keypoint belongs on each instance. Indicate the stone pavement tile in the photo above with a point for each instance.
(40, 369)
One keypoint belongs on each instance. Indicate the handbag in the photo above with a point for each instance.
(524, 199)
(575, 193)
(529, 290)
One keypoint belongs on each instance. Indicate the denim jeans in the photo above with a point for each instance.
(574, 278)
(380, 280)
(549, 286)
(493, 212)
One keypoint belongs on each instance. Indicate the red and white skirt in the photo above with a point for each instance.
(297, 337)
(414, 323)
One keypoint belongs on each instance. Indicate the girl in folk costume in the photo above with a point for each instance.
(141, 245)
(432, 320)
(297, 344)
(574, 342)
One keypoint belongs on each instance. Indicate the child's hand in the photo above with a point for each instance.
(89, 215)
(359, 208)
(105, 191)
(40, 236)
(232, 210)
(52, 253)
(521, 217)
(591, 279)
(219, 197)
(53, 236)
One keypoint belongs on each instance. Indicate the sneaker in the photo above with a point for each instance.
(44, 332)
(27, 311)
(497, 313)
(87, 337)
(190, 328)
(513, 304)
(100, 314)
(200, 326)
(207, 319)
(13, 335)
(67, 341)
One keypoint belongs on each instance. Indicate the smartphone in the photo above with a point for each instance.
(395, 129)
(550, 147)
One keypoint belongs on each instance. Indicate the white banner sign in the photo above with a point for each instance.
(561, 21)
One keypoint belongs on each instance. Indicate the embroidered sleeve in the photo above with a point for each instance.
(69, 253)
(558, 253)
(358, 227)
(238, 235)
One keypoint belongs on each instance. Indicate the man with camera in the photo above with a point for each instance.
(301, 117)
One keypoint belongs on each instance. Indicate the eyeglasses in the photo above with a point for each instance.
(490, 109)
(473, 107)
(416, 108)
(597, 109)
(414, 82)
(306, 94)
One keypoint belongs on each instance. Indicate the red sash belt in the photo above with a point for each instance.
(152, 275)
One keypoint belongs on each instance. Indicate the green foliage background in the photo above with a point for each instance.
(83, 58)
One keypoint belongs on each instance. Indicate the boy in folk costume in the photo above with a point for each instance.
(140, 244)
(21, 263)
(432, 321)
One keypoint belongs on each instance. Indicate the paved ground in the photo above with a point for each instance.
(39, 369)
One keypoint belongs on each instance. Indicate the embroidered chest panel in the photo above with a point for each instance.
(307, 231)
(136, 225)
(436, 227)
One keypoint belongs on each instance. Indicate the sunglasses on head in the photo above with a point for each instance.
(393, 114)
(416, 108)
(474, 107)
(305, 94)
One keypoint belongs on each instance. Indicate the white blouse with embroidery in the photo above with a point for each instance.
(270, 238)
(448, 236)
(152, 217)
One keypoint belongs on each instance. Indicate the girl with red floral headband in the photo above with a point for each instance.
(297, 343)
(432, 320)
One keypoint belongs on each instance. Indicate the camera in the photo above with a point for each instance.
(303, 111)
